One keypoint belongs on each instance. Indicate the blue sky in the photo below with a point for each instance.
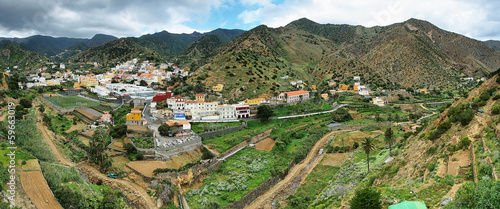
(84, 18)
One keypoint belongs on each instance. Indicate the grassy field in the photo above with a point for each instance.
(72, 101)
(299, 108)
(204, 127)
(313, 185)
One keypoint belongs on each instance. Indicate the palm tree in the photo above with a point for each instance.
(389, 138)
(368, 145)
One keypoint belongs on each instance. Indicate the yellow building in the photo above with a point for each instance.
(76, 85)
(425, 91)
(324, 96)
(252, 101)
(134, 118)
(90, 82)
(200, 97)
(218, 87)
(343, 87)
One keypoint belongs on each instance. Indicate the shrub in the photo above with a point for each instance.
(367, 197)
(130, 148)
(464, 143)
(496, 97)
(431, 167)
(355, 145)
(495, 109)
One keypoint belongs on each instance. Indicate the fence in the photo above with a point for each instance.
(56, 107)
(216, 133)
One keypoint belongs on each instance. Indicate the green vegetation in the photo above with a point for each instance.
(314, 184)
(484, 194)
(205, 127)
(368, 145)
(71, 191)
(341, 115)
(301, 108)
(143, 142)
(72, 101)
(239, 174)
(367, 197)
(97, 147)
(264, 112)
(60, 124)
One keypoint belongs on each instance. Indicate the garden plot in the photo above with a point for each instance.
(146, 168)
(335, 159)
(460, 158)
(37, 190)
(265, 145)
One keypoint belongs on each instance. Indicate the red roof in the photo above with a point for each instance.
(293, 93)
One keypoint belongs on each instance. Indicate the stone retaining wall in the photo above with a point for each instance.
(216, 133)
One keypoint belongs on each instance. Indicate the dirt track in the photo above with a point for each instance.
(298, 173)
(38, 191)
(133, 192)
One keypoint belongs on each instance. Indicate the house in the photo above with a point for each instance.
(211, 106)
(294, 96)
(252, 102)
(332, 92)
(218, 87)
(200, 97)
(200, 114)
(355, 87)
(160, 97)
(242, 111)
(364, 93)
(424, 91)
(356, 78)
(185, 125)
(379, 101)
(324, 96)
(105, 118)
(138, 102)
(293, 83)
(332, 83)
(134, 118)
(343, 87)
(227, 112)
(313, 87)
(190, 105)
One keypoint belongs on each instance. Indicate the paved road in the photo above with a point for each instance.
(309, 114)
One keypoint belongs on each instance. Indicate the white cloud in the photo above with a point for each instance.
(472, 18)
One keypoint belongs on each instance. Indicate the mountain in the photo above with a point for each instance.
(494, 44)
(50, 46)
(412, 54)
(122, 49)
(169, 45)
(12, 54)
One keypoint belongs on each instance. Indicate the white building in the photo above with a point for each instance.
(227, 112)
(211, 106)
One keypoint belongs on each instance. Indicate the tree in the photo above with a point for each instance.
(130, 148)
(389, 118)
(389, 138)
(341, 115)
(368, 145)
(25, 102)
(164, 128)
(367, 197)
(41, 109)
(97, 148)
(143, 83)
(378, 118)
(264, 112)
(484, 194)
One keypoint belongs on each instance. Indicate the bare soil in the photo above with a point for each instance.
(265, 145)
(334, 159)
(146, 168)
(38, 191)
(460, 158)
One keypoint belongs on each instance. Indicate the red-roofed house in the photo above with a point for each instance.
(160, 97)
(294, 96)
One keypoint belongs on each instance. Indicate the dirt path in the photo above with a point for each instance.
(38, 191)
(49, 138)
(132, 192)
(298, 173)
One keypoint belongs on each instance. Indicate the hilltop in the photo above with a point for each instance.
(12, 54)
(411, 54)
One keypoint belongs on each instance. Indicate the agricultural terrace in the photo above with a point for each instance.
(206, 127)
(302, 108)
(72, 101)
(250, 167)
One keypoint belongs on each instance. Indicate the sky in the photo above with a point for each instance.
(123, 18)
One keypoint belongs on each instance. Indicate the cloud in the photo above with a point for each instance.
(476, 19)
(86, 18)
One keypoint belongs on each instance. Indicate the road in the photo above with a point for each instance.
(309, 114)
(298, 173)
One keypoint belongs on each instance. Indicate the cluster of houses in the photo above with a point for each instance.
(145, 71)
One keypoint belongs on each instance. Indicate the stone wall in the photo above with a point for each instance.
(216, 133)
(344, 127)
(259, 191)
